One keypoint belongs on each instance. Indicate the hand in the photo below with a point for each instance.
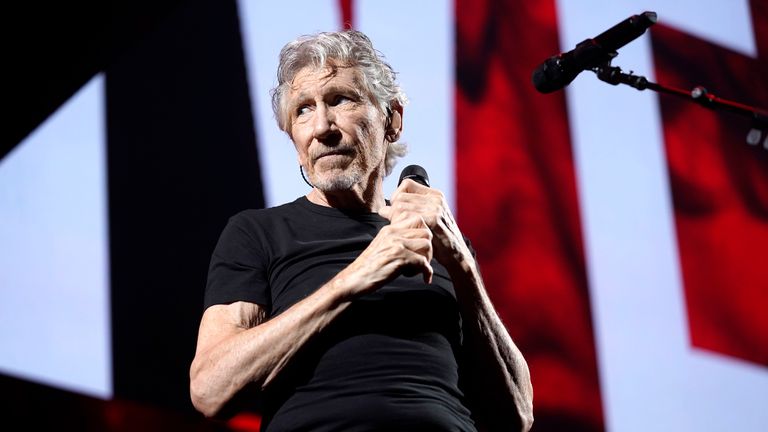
(406, 243)
(412, 199)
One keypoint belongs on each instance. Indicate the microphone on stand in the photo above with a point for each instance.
(558, 71)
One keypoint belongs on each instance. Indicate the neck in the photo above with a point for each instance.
(360, 198)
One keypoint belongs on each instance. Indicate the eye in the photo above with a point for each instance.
(340, 99)
(303, 109)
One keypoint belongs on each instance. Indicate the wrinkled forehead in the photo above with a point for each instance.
(329, 74)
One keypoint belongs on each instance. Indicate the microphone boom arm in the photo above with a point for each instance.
(614, 75)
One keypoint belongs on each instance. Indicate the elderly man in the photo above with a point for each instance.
(348, 311)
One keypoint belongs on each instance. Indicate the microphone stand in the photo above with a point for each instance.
(613, 75)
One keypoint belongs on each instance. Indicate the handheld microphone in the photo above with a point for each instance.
(419, 175)
(558, 71)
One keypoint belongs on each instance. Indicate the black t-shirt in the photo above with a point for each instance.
(388, 362)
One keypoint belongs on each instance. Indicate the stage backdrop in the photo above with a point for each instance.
(622, 234)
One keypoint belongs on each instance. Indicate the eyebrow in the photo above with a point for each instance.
(334, 88)
(344, 89)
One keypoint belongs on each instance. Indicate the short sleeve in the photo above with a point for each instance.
(237, 270)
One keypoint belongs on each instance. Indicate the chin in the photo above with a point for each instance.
(336, 181)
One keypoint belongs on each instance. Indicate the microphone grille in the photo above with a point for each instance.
(415, 173)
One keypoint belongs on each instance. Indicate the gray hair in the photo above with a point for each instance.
(349, 48)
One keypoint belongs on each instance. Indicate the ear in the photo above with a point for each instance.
(395, 123)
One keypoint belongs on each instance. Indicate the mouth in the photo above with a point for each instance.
(335, 152)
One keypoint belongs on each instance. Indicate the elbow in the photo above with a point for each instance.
(526, 421)
(202, 403)
(203, 398)
(525, 399)
(526, 411)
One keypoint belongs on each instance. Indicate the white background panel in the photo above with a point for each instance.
(54, 275)
(651, 377)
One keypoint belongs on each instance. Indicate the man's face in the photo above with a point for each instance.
(338, 132)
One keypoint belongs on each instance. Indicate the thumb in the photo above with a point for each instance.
(386, 212)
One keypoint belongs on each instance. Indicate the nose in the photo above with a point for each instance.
(323, 122)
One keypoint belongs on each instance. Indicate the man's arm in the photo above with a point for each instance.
(497, 374)
(236, 346)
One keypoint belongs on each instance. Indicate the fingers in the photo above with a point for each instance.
(420, 246)
(414, 205)
(411, 186)
(401, 248)
(409, 190)
(431, 209)
(413, 199)
(426, 270)
(418, 259)
(411, 236)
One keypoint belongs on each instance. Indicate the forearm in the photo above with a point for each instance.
(493, 359)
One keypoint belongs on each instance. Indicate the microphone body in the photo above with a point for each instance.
(558, 71)
(419, 175)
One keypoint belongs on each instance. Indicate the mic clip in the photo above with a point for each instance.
(592, 55)
(560, 70)
(614, 75)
